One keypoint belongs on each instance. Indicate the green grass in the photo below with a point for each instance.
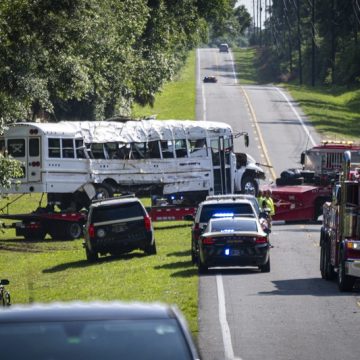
(333, 111)
(46, 271)
(177, 98)
(246, 71)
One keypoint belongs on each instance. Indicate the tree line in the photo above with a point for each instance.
(314, 41)
(92, 59)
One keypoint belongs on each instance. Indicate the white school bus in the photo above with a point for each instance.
(75, 161)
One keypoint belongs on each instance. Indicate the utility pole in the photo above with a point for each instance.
(313, 45)
(299, 40)
(254, 20)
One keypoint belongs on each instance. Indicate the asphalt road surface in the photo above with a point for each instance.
(289, 313)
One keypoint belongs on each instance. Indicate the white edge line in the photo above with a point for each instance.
(297, 115)
(202, 86)
(225, 329)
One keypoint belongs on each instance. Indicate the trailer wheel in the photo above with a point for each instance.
(249, 185)
(345, 282)
(73, 230)
(91, 256)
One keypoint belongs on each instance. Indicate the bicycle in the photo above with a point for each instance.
(5, 299)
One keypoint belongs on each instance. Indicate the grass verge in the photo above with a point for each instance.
(333, 111)
(177, 98)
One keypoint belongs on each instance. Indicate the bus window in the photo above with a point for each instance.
(180, 148)
(122, 151)
(198, 148)
(67, 148)
(79, 147)
(215, 151)
(111, 149)
(54, 148)
(16, 148)
(228, 147)
(34, 147)
(153, 151)
(97, 151)
(137, 150)
(167, 147)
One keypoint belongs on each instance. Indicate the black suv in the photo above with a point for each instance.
(116, 226)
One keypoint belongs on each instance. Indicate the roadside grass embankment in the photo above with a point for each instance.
(333, 111)
(48, 270)
(177, 98)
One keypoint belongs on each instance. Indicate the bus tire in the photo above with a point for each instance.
(249, 185)
(103, 191)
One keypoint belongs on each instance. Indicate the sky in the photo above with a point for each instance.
(249, 5)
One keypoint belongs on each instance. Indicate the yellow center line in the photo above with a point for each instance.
(261, 140)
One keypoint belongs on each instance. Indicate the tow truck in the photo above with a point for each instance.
(299, 194)
(340, 232)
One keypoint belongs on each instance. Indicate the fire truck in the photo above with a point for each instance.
(340, 232)
(299, 194)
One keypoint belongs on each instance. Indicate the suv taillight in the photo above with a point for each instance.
(261, 240)
(208, 241)
(147, 223)
(91, 231)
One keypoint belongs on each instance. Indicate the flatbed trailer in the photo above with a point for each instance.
(299, 203)
(170, 213)
(35, 225)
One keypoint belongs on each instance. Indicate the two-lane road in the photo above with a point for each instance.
(289, 313)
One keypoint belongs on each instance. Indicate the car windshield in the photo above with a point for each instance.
(231, 225)
(111, 339)
(118, 211)
(208, 211)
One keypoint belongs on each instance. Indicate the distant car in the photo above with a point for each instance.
(234, 241)
(210, 79)
(93, 331)
(224, 47)
(116, 226)
(218, 204)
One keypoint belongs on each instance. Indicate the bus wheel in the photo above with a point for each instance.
(249, 186)
(103, 191)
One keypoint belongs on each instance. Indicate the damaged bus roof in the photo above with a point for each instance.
(130, 131)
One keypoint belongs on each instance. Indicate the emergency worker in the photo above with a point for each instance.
(269, 202)
(260, 198)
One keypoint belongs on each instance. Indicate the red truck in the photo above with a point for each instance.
(299, 194)
(340, 232)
